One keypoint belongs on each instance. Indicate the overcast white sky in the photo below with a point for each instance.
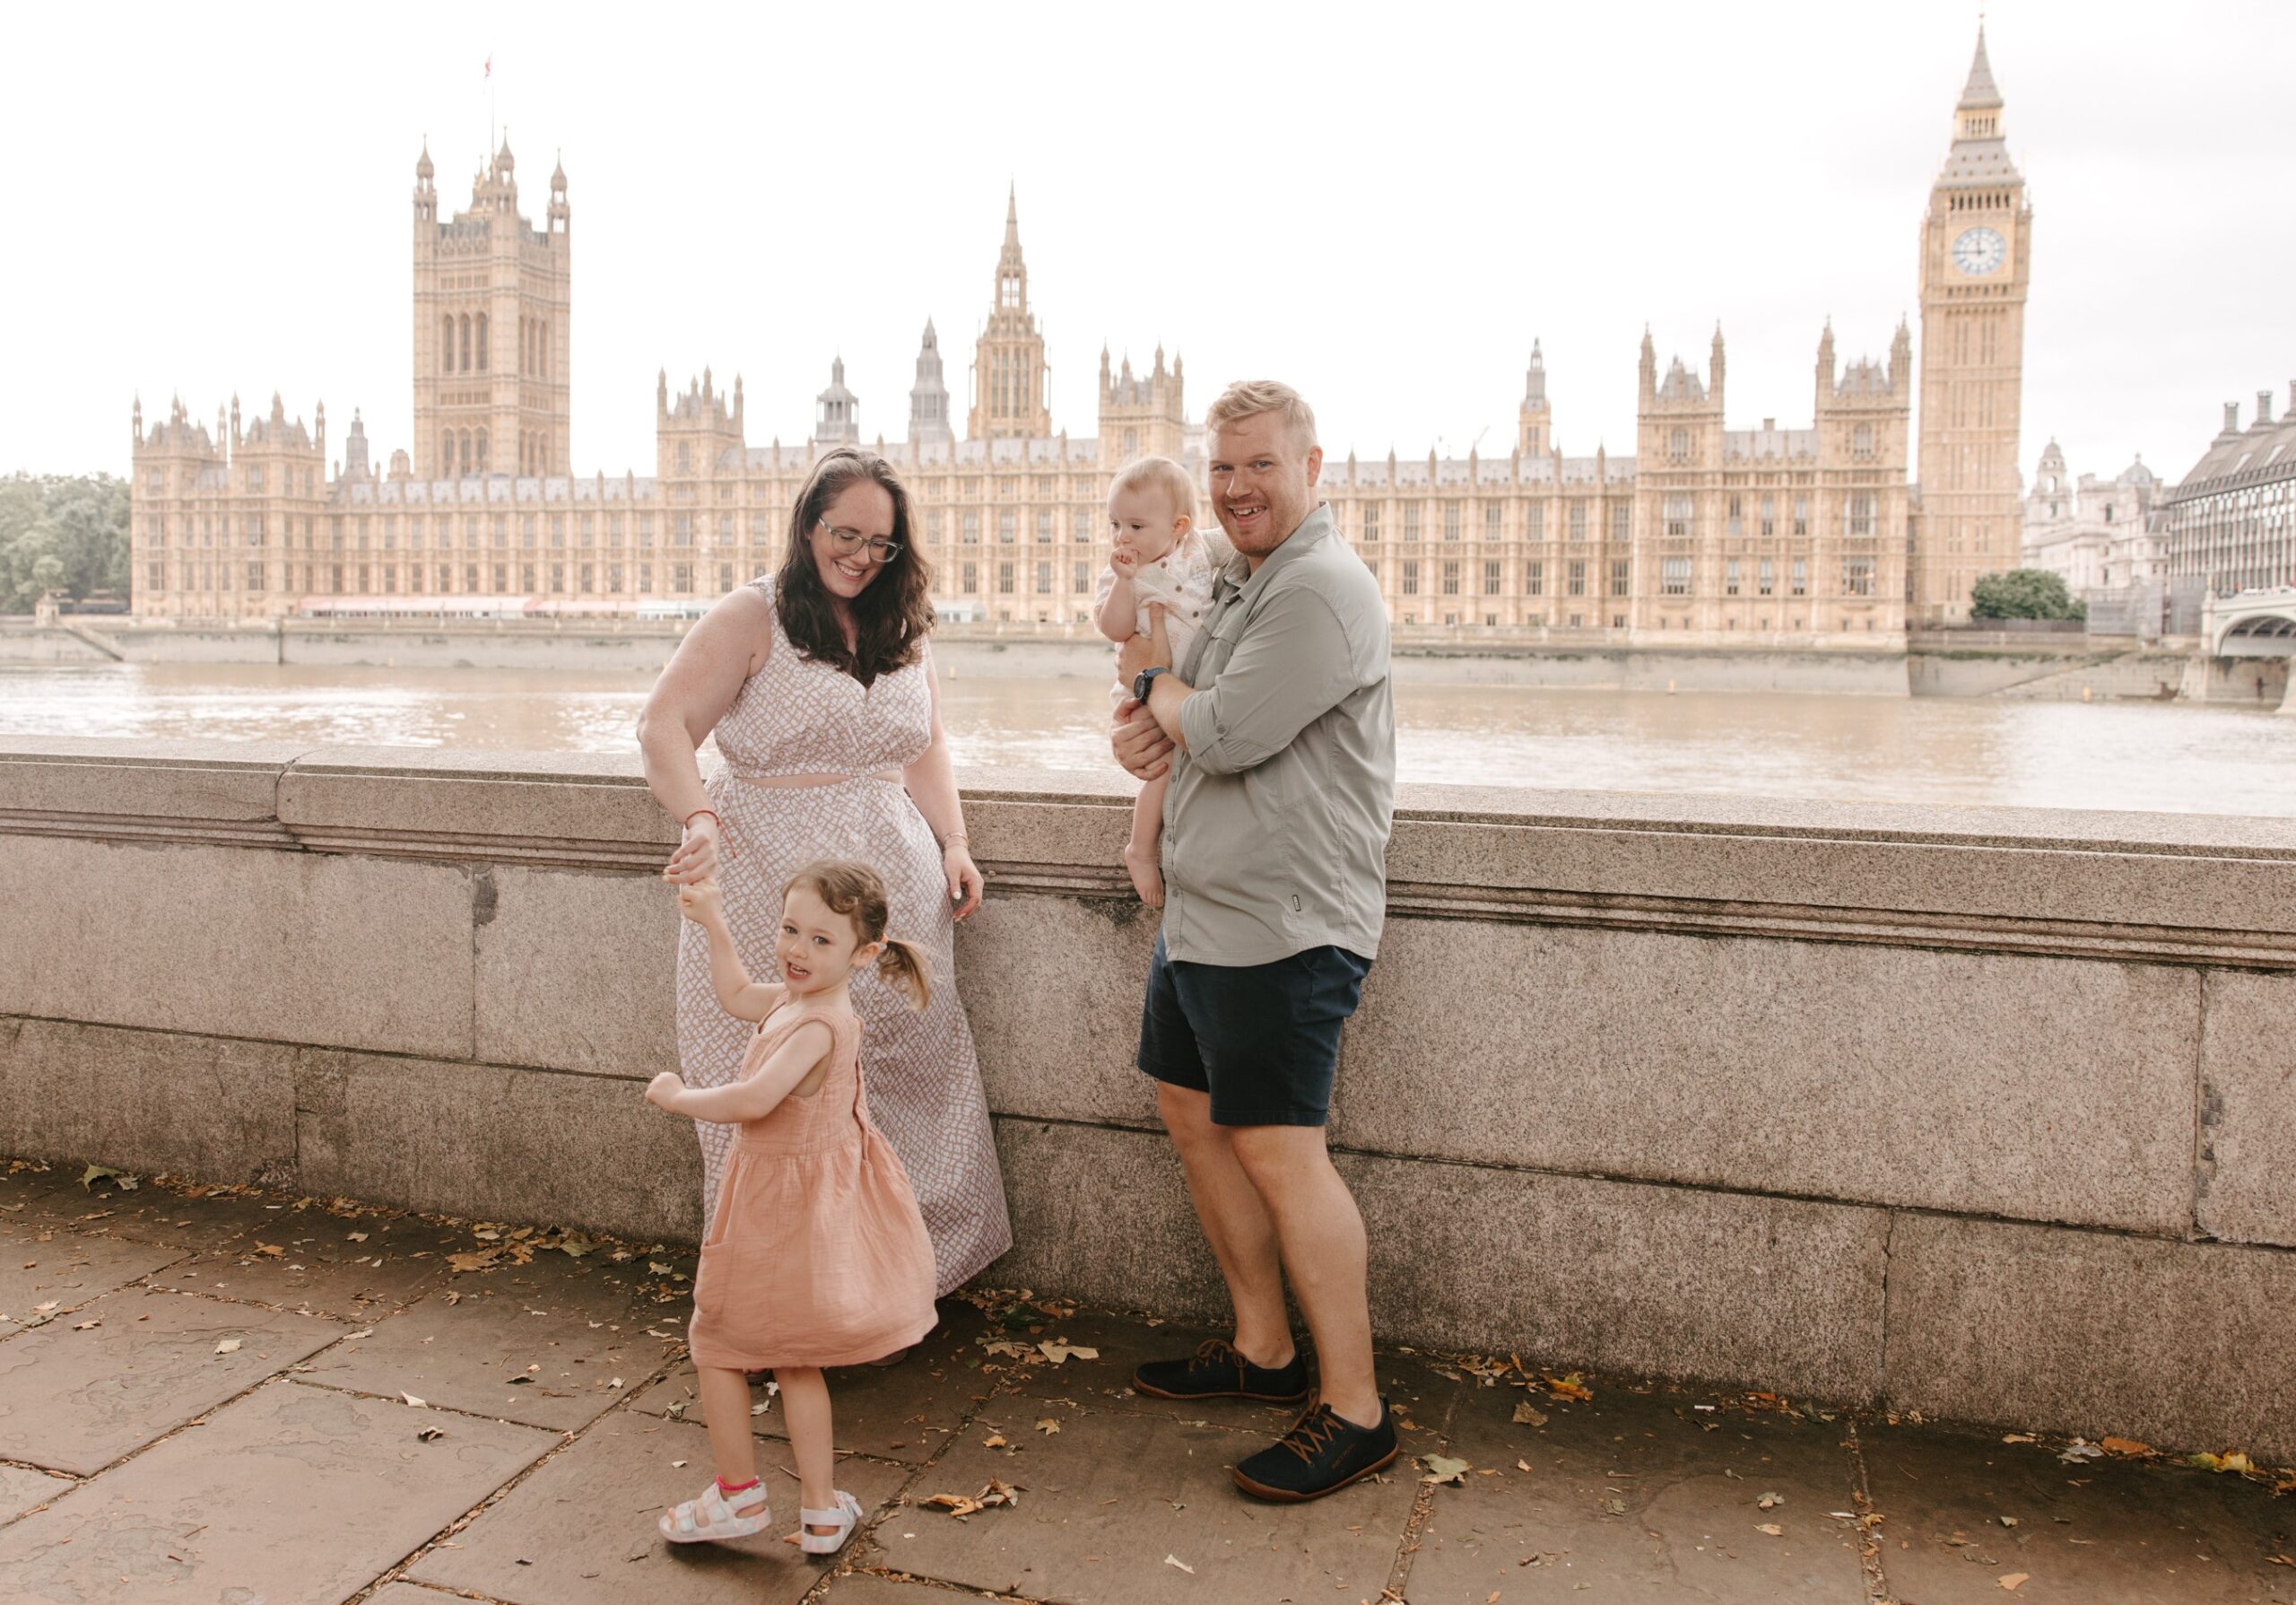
(1381, 205)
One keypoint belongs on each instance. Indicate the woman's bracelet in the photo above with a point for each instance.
(688, 823)
(956, 836)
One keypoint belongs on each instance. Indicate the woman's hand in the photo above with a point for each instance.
(663, 1089)
(964, 875)
(696, 859)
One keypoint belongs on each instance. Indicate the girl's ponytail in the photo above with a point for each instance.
(903, 968)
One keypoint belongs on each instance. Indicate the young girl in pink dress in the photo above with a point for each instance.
(815, 1254)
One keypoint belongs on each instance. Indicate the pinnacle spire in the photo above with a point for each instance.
(1012, 216)
(1980, 91)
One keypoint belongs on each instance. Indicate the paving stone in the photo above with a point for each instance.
(65, 1270)
(858, 1588)
(1124, 1344)
(902, 1412)
(413, 1594)
(322, 1268)
(1679, 1519)
(77, 1400)
(583, 1323)
(580, 1530)
(21, 1488)
(292, 1495)
(1106, 1498)
(2132, 1533)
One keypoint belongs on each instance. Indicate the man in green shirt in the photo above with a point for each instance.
(1279, 734)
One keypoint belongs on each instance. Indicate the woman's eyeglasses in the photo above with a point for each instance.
(845, 543)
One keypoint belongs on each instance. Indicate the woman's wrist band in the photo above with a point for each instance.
(956, 836)
(698, 813)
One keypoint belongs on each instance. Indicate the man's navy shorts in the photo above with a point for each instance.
(1262, 1038)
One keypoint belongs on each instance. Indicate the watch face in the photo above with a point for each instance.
(1978, 251)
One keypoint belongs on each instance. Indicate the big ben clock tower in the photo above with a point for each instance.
(1975, 258)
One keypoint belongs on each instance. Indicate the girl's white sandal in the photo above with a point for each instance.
(843, 1518)
(711, 1517)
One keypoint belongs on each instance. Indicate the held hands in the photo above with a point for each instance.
(1137, 740)
(703, 902)
(662, 1090)
(1144, 651)
(696, 858)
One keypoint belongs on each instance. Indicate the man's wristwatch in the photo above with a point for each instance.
(1140, 681)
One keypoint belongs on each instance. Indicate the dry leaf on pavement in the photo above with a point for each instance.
(1174, 1560)
(227, 1346)
(1530, 1415)
(1443, 1469)
(2013, 1581)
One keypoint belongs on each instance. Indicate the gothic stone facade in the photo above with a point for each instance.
(1705, 534)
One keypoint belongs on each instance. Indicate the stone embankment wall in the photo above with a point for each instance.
(1982, 1112)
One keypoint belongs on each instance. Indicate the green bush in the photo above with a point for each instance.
(2024, 594)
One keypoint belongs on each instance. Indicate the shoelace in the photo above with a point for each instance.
(1313, 1433)
(1218, 1351)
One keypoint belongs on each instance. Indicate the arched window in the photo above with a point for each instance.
(542, 346)
(525, 345)
(446, 453)
(481, 342)
(465, 323)
(447, 346)
(482, 451)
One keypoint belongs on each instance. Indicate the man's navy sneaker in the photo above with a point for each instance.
(1216, 1371)
(1322, 1453)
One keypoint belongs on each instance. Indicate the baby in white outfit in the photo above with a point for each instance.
(1156, 556)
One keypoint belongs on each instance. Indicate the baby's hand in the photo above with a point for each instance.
(665, 1087)
(1124, 560)
(701, 902)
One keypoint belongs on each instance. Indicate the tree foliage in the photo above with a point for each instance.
(61, 531)
(2024, 594)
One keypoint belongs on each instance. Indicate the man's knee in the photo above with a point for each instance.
(1273, 1155)
(1187, 1113)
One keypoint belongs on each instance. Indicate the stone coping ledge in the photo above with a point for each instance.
(2193, 888)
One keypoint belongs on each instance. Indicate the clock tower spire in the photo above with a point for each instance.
(1976, 241)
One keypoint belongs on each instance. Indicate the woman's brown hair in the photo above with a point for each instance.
(857, 892)
(892, 614)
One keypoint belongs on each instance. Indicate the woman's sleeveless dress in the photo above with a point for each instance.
(797, 717)
(816, 1254)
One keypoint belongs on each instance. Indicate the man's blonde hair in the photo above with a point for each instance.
(1249, 397)
(1162, 473)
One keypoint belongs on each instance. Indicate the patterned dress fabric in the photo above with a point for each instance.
(796, 717)
(816, 1255)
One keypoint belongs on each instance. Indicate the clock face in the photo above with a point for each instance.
(1978, 251)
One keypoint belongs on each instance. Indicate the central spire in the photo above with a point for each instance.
(1981, 93)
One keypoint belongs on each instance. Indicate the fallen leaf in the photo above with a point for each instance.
(1522, 1465)
(355, 1237)
(1174, 1560)
(616, 1384)
(2008, 1520)
(46, 1308)
(1567, 1387)
(1058, 1353)
(1614, 1507)
(104, 1172)
(2123, 1446)
(994, 1440)
(956, 1504)
(2021, 1437)
(412, 1401)
(430, 1435)
(1047, 1426)
(477, 1260)
(1530, 1415)
(658, 1269)
(1771, 1528)
(227, 1346)
(2013, 1581)
(1443, 1469)
(84, 1325)
(2234, 1461)
(1770, 1501)
(271, 1249)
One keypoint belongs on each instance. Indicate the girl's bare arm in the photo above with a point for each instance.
(1117, 610)
(754, 1096)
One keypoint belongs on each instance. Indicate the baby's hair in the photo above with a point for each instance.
(857, 892)
(1162, 473)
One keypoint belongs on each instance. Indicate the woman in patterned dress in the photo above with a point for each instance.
(818, 682)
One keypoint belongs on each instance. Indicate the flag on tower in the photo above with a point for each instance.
(489, 70)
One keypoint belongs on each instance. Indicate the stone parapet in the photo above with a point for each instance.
(1855, 1100)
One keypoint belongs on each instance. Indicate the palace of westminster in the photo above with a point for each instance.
(1707, 535)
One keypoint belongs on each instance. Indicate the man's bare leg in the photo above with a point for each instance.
(1236, 1224)
(1320, 1234)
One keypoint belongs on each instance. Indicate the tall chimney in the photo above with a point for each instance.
(2264, 408)
(2231, 417)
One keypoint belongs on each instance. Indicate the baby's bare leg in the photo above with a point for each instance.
(1141, 856)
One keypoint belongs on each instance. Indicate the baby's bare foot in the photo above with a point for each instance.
(1147, 874)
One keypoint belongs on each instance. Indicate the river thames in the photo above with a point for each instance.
(2176, 757)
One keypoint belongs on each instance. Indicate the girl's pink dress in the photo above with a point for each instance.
(816, 1254)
